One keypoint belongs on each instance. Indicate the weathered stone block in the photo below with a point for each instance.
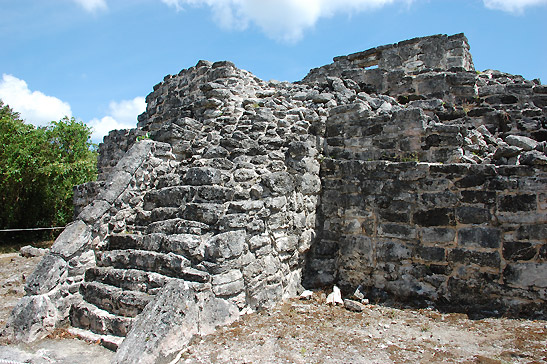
(472, 215)
(515, 250)
(215, 193)
(485, 197)
(92, 212)
(199, 176)
(310, 184)
(516, 203)
(479, 237)
(167, 264)
(189, 245)
(394, 216)
(224, 246)
(167, 197)
(135, 156)
(526, 274)
(280, 183)
(115, 186)
(49, 273)
(485, 259)
(438, 235)
(130, 241)
(207, 213)
(392, 251)
(396, 231)
(439, 199)
(435, 217)
(73, 240)
(431, 253)
(32, 319)
(167, 325)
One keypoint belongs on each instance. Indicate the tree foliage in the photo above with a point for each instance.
(39, 168)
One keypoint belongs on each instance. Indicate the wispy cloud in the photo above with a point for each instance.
(121, 115)
(512, 6)
(92, 5)
(34, 106)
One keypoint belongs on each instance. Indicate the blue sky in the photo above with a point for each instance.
(96, 60)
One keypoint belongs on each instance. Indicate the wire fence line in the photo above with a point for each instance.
(32, 229)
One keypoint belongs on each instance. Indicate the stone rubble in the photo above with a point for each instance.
(400, 170)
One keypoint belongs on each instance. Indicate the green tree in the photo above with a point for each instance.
(39, 167)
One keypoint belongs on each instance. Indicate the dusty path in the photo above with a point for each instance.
(312, 332)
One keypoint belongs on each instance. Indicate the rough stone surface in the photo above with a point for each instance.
(32, 318)
(419, 180)
(167, 325)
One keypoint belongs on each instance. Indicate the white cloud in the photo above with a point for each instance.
(92, 5)
(122, 115)
(34, 106)
(280, 19)
(512, 6)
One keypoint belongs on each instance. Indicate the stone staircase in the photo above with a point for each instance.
(130, 270)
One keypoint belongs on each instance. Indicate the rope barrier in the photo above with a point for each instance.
(32, 229)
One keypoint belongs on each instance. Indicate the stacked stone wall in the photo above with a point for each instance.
(468, 237)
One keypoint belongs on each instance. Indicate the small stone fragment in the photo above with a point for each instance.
(29, 251)
(335, 298)
(354, 306)
(306, 295)
(358, 294)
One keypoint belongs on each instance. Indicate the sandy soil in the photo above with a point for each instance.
(310, 331)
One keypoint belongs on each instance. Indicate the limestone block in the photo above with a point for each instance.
(32, 319)
(533, 157)
(468, 257)
(134, 157)
(523, 142)
(224, 246)
(279, 183)
(94, 211)
(74, 239)
(50, 272)
(526, 274)
(198, 176)
(354, 306)
(166, 325)
(29, 251)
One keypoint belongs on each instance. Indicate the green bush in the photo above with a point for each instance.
(39, 167)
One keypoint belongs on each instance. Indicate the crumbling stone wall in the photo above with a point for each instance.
(423, 196)
(420, 179)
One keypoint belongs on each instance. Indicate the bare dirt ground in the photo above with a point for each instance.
(60, 348)
(311, 332)
(13, 272)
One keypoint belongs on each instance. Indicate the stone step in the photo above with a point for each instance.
(108, 341)
(128, 279)
(187, 245)
(113, 299)
(170, 264)
(86, 316)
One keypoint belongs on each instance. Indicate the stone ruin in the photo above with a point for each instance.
(399, 171)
